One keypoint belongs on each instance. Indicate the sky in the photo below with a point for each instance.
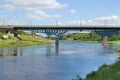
(60, 12)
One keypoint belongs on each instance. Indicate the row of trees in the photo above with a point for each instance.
(93, 36)
(87, 37)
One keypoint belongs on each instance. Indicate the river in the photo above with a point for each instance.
(43, 63)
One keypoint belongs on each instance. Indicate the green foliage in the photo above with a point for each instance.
(48, 36)
(27, 40)
(87, 37)
(33, 33)
(78, 78)
(1, 34)
(82, 37)
(118, 50)
(104, 67)
(91, 75)
(105, 72)
(111, 73)
(21, 32)
(114, 38)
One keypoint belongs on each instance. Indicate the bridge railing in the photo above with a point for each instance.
(12, 26)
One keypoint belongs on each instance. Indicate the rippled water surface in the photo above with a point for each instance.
(43, 63)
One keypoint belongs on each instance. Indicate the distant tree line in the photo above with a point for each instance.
(93, 36)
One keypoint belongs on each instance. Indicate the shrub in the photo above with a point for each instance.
(1, 34)
(92, 74)
(118, 50)
(78, 78)
(104, 67)
(21, 32)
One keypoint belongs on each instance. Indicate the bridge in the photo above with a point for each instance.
(103, 31)
(59, 30)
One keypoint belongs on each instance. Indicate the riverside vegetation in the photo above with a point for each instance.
(105, 72)
(27, 39)
(88, 37)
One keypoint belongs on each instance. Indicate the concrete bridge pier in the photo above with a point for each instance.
(57, 45)
(105, 41)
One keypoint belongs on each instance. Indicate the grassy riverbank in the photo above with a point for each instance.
(114, 42)
(109, 42)
(27, 40)
(106, 72)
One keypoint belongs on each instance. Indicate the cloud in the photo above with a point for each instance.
(39, 4)
(1, 23)
(39, 15)
(36, 8)
(108, 18)
(7, 7)
(72, 11)
(111, 20)
(55, 16)
(13, 22)
(76, 22)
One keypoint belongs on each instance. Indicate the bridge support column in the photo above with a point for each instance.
(57, 45)
(105, 41)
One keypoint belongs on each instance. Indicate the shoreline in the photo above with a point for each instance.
(15, 43)
(105, 72)
(28, 40)
(109, 42)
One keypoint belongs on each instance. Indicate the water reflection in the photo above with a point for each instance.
(49, 50)
(11, 51)
(41, 62)
(57, 50)
(108, 48)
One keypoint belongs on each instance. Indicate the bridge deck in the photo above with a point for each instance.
(58, 27)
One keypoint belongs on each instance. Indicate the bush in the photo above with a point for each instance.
(104, 67)
(91, 75)
(22, 32)
(78, 78)
(118, 50)
(1, 34)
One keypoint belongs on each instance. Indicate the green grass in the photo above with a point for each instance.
(114, 42)
(108, 72)
(110, 42)
(28, 40)
(105, 72)
(80, 41)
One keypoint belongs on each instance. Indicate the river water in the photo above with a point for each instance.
(43, 63)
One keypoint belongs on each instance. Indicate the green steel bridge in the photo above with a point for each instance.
(103, 31)
(59, 30)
